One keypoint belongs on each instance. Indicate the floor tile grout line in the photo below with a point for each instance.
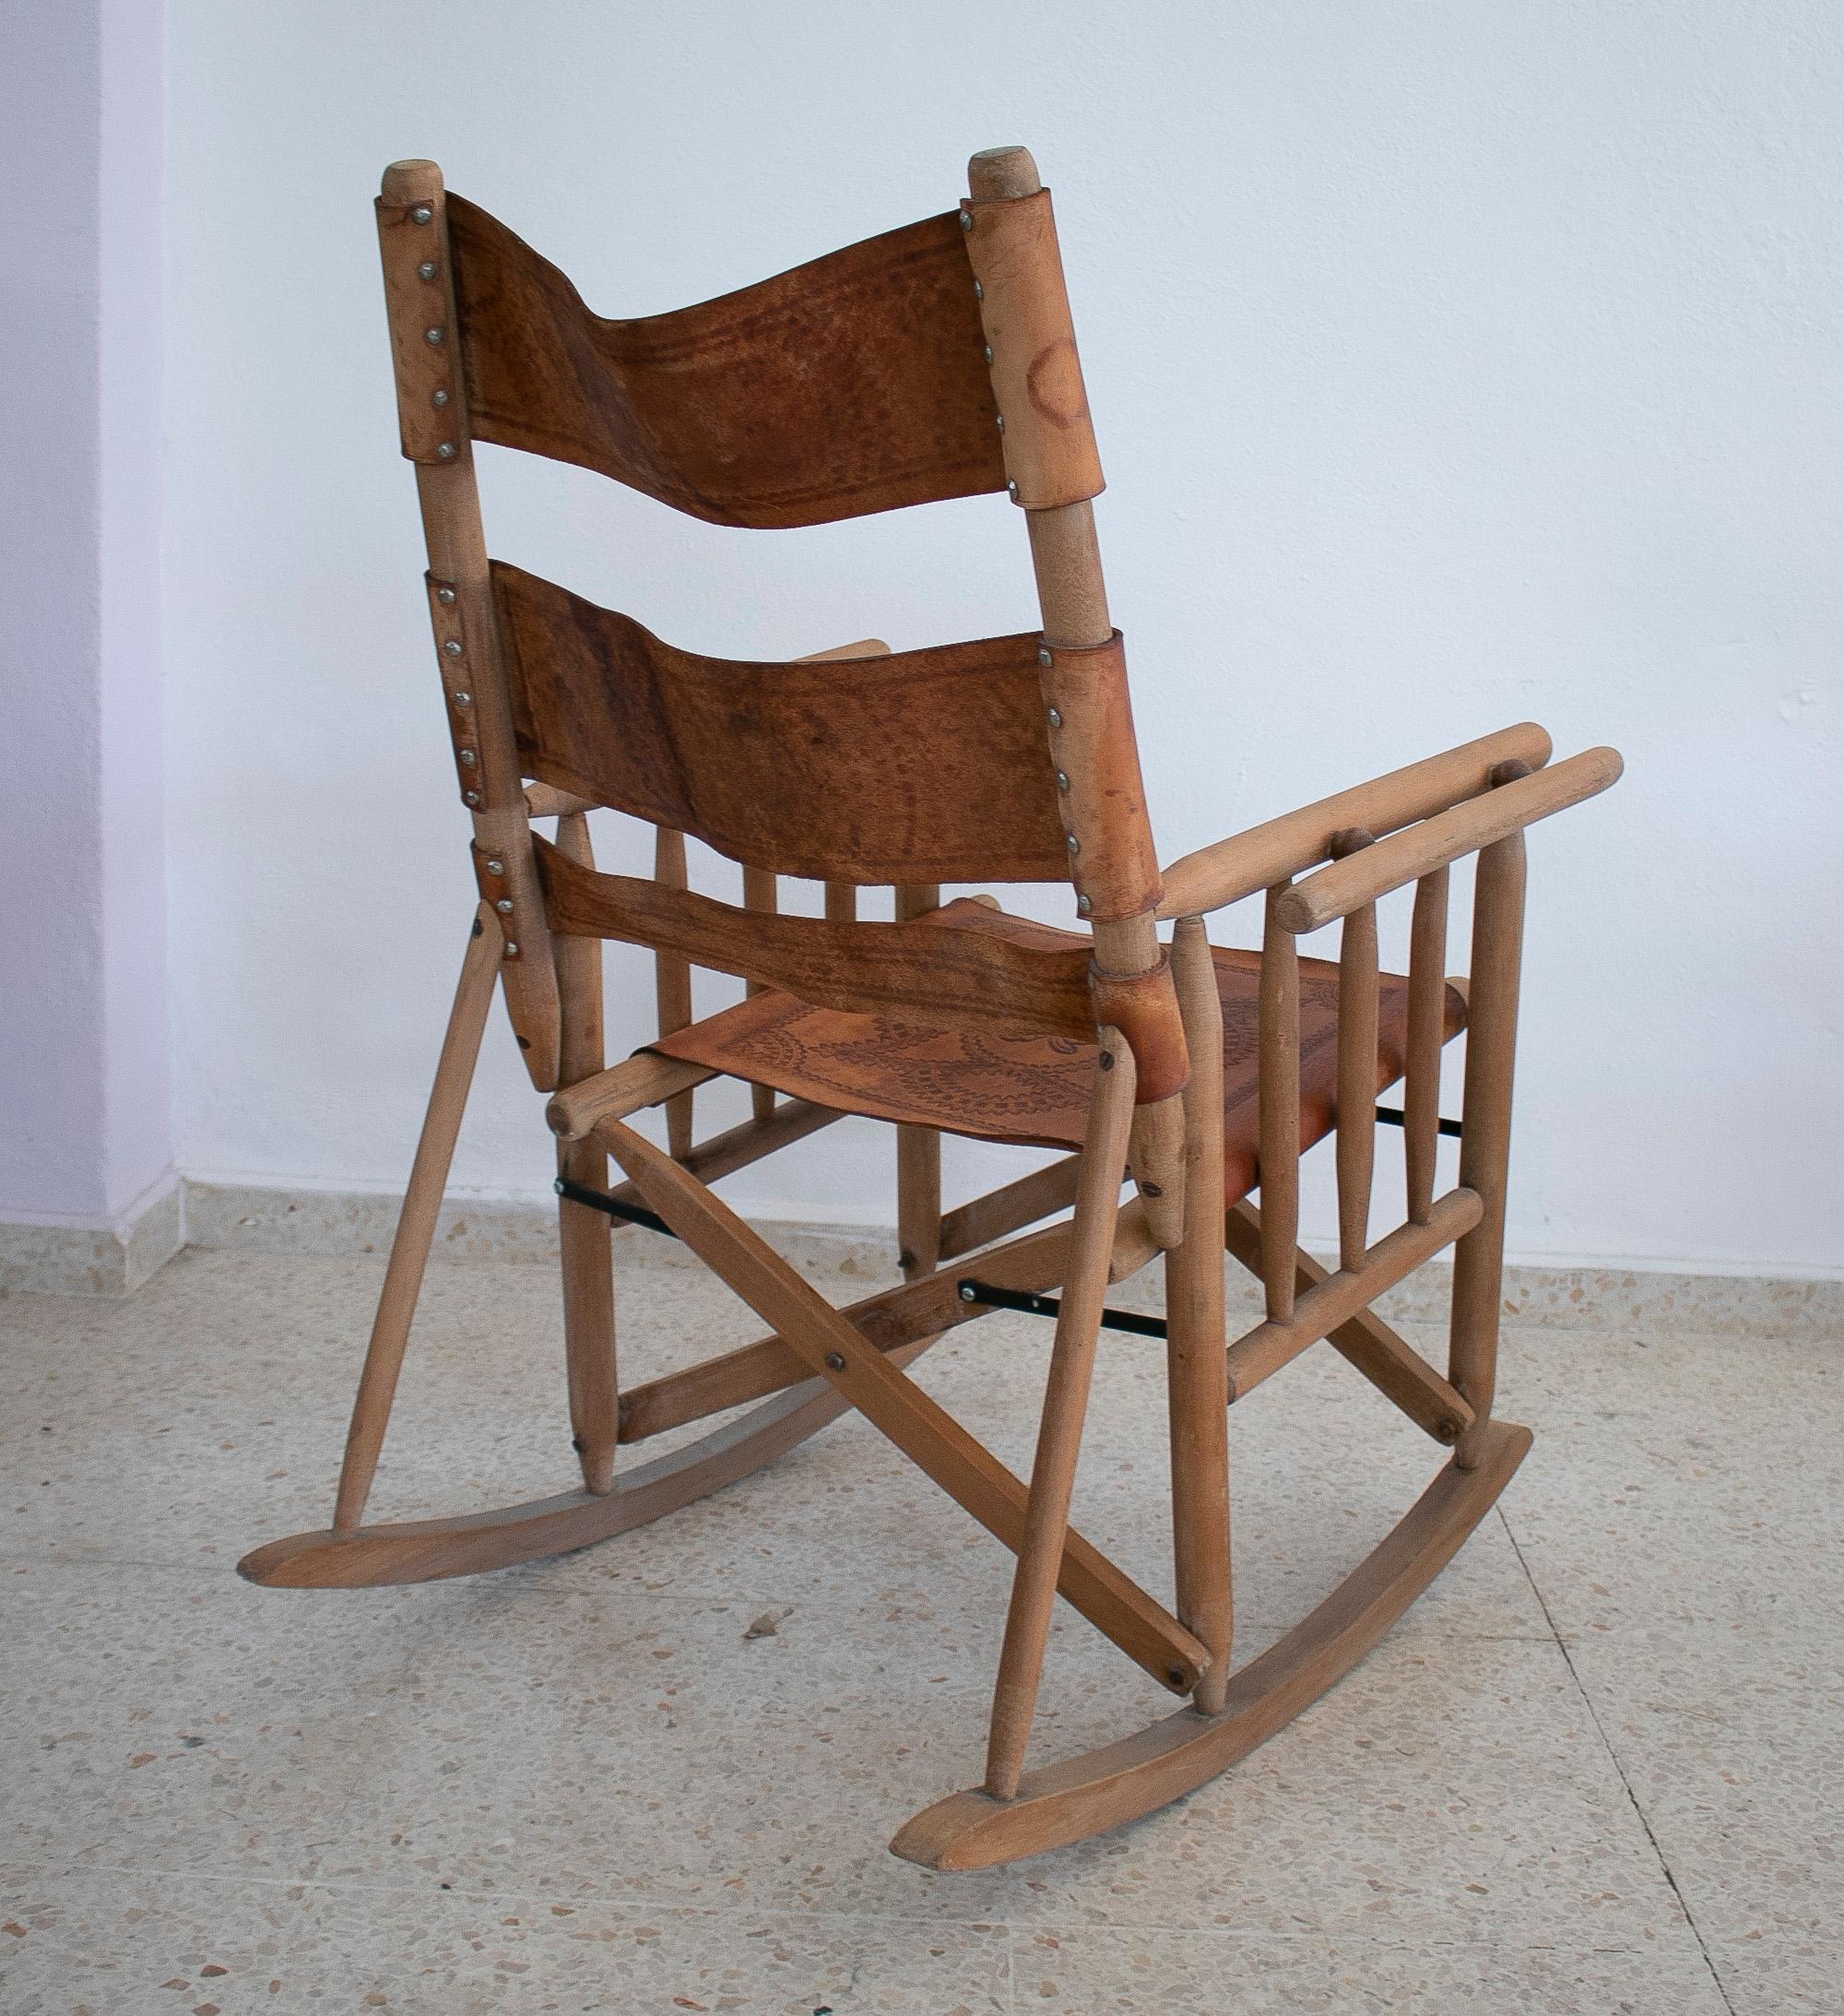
(1614, 1758)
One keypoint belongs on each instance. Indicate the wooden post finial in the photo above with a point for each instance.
(999, 174)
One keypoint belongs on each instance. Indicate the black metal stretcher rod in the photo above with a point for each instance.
(990, 1297)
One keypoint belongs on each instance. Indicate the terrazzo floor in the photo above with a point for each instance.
(1600, 1767)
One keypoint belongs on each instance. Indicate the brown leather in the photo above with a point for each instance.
(1090, 722)
(916, 766)
(996, 1086)
(1144, 1008)
(1036, 375)
(983, 972)
(853, 383)
(418, 304)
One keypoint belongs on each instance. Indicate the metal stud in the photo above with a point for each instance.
(469, 757)
(1045, 656)
(504, 906)
(446, 451)
(1012, 491)
(432, 336)
(966, 220)
(470, 798)
(464, 699)
(444, 596)
(452, 647)
(988, 354)
(558, 1186)
(496, 868)
(511, 950)
(1075, 845)
(999, 422)
(1062, 780)
(427, 269)
(835, 1363)
(967, 1294)
(979, 292)
(438, 397)
(422, 214)
(1083, 909)
(1055, 717)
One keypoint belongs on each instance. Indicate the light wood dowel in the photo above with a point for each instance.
(1486, 1142)
(1427, 1008)
(415, 1222)
(761, 893)
(1266, 1349)
(547, 802)
(585, 1236)
(1278, 1109)
(918, 1149)
(1197, 1371)
(1356, 1069)
(644, 1079)
(672, 985)
(1020, 1203)
(1059, 1434)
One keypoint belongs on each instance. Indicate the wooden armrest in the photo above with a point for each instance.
(1373, 871)
(1232, 869)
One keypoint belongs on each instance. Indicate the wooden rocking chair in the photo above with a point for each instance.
(935, 361)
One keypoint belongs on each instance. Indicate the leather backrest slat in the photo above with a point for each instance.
(918, 766)
(853, 383)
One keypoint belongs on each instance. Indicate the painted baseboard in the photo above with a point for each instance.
(112, 1259)
(342, 1222)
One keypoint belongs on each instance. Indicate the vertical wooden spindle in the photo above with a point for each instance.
(1486, 1144)
(1427, 990)
(918, 1149)
(672, 987)
(1356, 1067)
(1278, 1104)
(842, 903)
(1196, 1366)
(761, 895)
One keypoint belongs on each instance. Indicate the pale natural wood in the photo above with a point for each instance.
(1486, 1115)
(917, 1424)
(1421, 1095)
(1364, 1340)
(1265, 1349)
(672, 985)
(584, 1250)
(1356, 1069)
(473, 1543)
(761, 893)
(644, 1079)
(1278, 1095)
(1227, 870)
(546, 801)
(1467, 828)
(918, 1149)
(1104, 1789)
(1060, 1432)
(456, 541)
(1020, 1203)
(748, 1141)
(415, 1222)
(1197, 1372)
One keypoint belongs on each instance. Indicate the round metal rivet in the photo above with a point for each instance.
(511, 950)
(432, 336)
(967, 1294)
(452, 647)
(1062, 780)
(1045, 655)
(1075, 845)
(1012, 491)
(558, 1186)
(504, 906)
(467, 758)
(427, 269)
(1055, 717)
(496, 868)
(1106, 1060)
(966, 220)
(1001, 423)
(1083, 906)
(470, 798)
(446, 451)
(979, 292)
(835, 1363)
(445, 595)
(438, 397)
(988, 354)
(422, 214)
(464, 699)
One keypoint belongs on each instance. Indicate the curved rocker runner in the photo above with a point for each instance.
(938, 361)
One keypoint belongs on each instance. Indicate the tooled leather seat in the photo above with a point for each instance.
(1035, 1090)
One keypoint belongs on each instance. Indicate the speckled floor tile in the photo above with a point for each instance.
(1088, 1972)
(107, 1944)
(154, 1717)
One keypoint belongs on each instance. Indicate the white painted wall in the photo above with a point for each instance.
(1453, 364)
(85, 1119)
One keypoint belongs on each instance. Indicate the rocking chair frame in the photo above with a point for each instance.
(1156, 1115)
